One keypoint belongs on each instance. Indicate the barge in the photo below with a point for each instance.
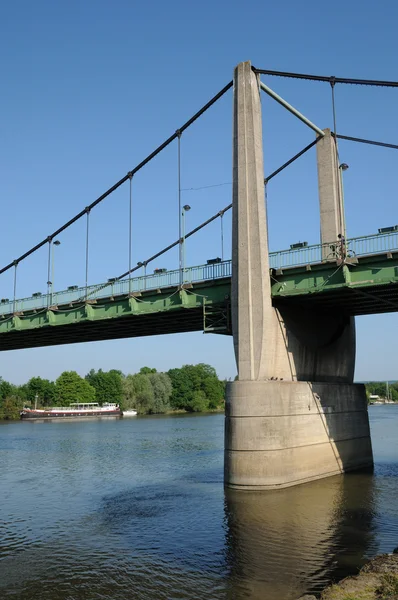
(73, 411)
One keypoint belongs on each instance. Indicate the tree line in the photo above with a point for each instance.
(192, 388)
(379, 388)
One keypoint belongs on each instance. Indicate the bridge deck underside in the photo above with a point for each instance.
(107, 329)
(353, 301)
(153, 313)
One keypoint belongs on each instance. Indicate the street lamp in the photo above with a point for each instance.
(51, 282)
(185, 209)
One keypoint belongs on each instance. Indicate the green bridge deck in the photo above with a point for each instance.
(363, 283)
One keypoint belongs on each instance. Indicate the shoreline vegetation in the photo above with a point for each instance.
(191, 388)
(377, 580)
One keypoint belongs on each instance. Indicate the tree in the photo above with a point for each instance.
(182, 388)
(128, 400)
(138, 393)
(162, 389)
(5, 388)
(214, 390)
(44, 389)
(107, 385)
(144, 395)
(147, 371)
(147, 392)
(10, 407)
(71, 388)
(198, 402)
(196, 387)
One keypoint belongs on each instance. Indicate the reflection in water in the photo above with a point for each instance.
(285, 543)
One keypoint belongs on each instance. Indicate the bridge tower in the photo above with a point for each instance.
(294, 414)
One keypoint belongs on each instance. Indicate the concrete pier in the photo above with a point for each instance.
(280, 434)
(294, 414)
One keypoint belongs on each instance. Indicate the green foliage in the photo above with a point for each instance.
(143, 393)
(379, 388)
(147, 391)
(128, 400)
(10, 407)
(5, 388)
(198, 402)
(147, 371)
(70, 388)
(162, 388)
(182, 388)
(44, 389)
(138, 393)
(107, 384)
(196, 388)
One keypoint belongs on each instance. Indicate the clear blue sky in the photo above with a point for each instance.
(91, 88)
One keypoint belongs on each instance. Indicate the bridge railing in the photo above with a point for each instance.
(294, 257)
(125, 286)
(316, 253)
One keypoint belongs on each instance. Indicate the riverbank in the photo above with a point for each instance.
(377, 580)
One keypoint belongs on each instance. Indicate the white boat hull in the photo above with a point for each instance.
(129, 413)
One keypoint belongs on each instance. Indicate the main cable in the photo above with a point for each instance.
(330, 79)
(123, 179)
(363, 141)
(102, 286)
(291, 160)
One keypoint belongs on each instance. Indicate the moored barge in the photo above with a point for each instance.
(79, 409)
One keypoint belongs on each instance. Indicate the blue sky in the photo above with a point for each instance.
(90, 88)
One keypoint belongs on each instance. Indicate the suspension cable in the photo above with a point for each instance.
(178, 132)
(222, 235)
(123, 179)
(49, 283)
(140, 264)
(341, 211)
(130, 226)
(291, 160)
(371, 82)
(87, 234)
(15, 263)
(363, 141)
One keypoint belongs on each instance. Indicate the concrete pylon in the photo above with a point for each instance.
(294, 414)
(252, 313)
(330, 192)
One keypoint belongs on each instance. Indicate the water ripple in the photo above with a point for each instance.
(136, 510)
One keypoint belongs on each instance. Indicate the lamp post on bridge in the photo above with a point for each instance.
(143, 265)
(185, 209)
(50, 282)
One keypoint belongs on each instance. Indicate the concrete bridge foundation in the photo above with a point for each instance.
(279, 434)
(294, 415)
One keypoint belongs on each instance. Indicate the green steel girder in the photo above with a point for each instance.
(366, 285)
(155, 312)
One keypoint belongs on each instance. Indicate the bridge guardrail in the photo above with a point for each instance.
(316, 253)
(104, 290)
(359, 246)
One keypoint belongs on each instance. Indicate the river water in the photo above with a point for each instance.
(135, 509)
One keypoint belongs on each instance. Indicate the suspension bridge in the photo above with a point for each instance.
(291, 313)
